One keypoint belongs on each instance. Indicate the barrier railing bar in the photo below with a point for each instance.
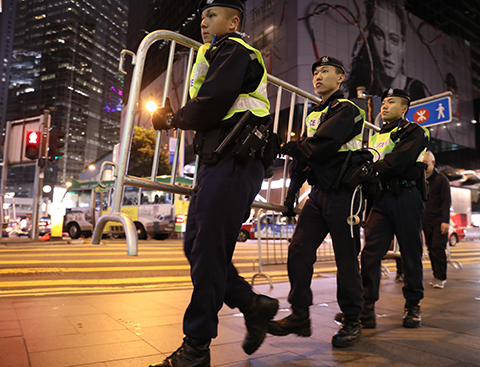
(275, 130)
(138, 61)
(294, 89)
(289, 132)
(180, 135)
(304, 116)
(260, 262)
(148, 184)
(166, 87)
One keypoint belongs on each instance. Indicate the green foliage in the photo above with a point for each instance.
(141, 154)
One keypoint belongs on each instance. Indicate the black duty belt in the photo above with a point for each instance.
(396, 184)
(408, 183)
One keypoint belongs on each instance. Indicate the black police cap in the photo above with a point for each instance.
(327, 60)
(235, 4)
(394, 92)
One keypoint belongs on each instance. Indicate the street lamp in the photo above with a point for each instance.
(150, 106)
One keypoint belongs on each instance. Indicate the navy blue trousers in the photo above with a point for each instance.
(221, 197)
(400, 215)
(436, 244)
(326, 212)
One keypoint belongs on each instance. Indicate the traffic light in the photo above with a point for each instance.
(55, 144)
(32, 147)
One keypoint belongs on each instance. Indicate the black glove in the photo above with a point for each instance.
(162, 117)
(289, 148)
(292, 149)
(289, 203)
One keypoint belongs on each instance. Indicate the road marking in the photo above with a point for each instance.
(69, 286)
(103, 253)
(11, 271)
(99, 261)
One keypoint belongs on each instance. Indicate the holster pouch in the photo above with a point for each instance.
(358, 169)
(252, 139)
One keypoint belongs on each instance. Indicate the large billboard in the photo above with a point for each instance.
(381, 45)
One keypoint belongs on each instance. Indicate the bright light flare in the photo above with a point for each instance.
(150, 106)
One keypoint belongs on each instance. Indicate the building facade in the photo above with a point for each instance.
(65, 59)
(7, 25)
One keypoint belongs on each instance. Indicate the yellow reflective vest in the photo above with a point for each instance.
(257, 101)
(314, 119)
(384, 144)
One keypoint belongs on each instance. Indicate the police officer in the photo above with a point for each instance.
(399, 209)
(332, 130)
(228, 81)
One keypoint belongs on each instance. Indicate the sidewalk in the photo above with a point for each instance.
(136, 329)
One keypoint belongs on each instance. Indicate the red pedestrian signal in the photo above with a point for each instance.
(55, 144)
(32, 147)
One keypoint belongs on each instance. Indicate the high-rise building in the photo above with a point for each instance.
(65, 59)
(146, 16)
(7, 24)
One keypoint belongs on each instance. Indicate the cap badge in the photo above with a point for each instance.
(210, 1)
(390, 92)
(325, 59)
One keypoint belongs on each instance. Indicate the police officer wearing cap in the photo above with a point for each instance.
(333, 129)
(400, 146)
(228, 82)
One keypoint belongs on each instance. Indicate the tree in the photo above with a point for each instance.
(141, 154)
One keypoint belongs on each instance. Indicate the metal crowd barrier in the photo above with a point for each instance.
(395, 252)
(120, 168)
(273, 238)
(455, 264)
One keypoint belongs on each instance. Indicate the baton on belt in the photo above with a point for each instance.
(232, 134)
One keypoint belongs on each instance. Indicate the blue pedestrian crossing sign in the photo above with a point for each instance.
(172, 147)
(435, 110)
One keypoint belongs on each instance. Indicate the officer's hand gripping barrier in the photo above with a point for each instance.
(162, 117)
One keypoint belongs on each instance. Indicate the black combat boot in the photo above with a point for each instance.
(192, 353)
(349, 332)
(412, 317)
(296, 323)
(367, 316)
(257, 313)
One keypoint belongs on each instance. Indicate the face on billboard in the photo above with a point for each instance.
(386, 35)
(395, 54)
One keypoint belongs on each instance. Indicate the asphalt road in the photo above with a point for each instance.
(78, 267)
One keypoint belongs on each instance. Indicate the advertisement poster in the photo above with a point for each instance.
(381, 45)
